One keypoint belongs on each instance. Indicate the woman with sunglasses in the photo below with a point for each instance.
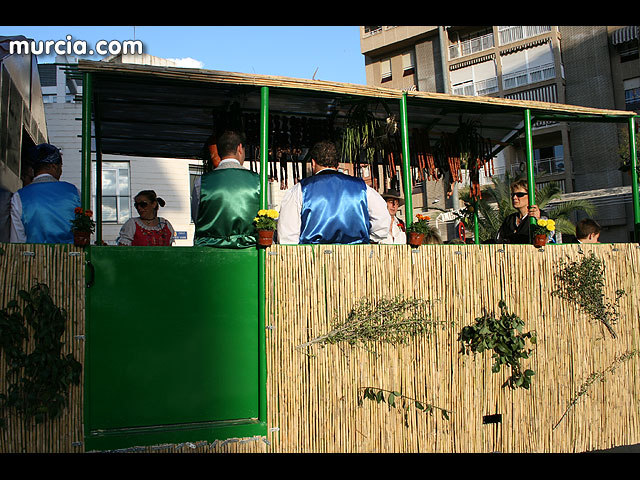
(515, 228)
(148, 229)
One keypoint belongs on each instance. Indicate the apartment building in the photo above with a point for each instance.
(122, 176)
(593, 66)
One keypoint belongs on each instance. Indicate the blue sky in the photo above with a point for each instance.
(330, 52)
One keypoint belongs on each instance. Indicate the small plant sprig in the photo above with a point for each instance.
(503, 335)
(266, 220)
(591, 379)
(421, 225)
(582, 283)
(378, 395)
(82, 221)
(391, 320)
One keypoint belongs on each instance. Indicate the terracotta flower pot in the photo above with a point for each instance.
(81, 239)
(415, 239)
(539, 240)
(265, 238)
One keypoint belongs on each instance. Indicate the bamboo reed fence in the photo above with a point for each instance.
(313, 391)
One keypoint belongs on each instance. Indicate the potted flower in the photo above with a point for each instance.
(82, 227)
(541, 230)
(265, 223)
(417, 230)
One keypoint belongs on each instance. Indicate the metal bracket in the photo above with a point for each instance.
(75, 254)
(328, 252)
(28, 254)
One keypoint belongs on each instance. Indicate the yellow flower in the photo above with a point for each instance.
(551, 225)
(272, 214)
(262, 213)
(542, 222)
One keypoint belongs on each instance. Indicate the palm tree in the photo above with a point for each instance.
(495, 206)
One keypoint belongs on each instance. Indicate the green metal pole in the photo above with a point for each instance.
(633, 156)
(85, 194)
(262, 300)
(406, 170)
(529, 145)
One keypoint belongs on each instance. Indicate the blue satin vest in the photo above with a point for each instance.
(334, 209)
(47, 211)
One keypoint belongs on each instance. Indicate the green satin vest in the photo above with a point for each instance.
(229, 201)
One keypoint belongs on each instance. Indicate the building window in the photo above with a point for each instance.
(408, 64)
(116, 192)
(385, 70)
(548, 160)
(632, 94)
(371, 30)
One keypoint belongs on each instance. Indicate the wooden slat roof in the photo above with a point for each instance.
(166, 111)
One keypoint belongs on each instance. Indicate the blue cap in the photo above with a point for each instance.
(45, 153)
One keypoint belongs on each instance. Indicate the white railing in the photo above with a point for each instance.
(528, 75)
(483, 87)
(473, 45)
(516, 33)
(550, 165)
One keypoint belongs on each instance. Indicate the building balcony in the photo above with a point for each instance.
(471, 46)
(511, 34)
(528, 76)
(481, 88)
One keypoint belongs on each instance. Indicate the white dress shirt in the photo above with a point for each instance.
(289, 222)
(396, 236)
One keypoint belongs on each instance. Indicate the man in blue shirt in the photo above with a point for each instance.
(42, 211)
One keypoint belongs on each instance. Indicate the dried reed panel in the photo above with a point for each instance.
(461, 282)
(61, 267)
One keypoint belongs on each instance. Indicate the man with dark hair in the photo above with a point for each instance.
(588, 231)
(331, 207)
(42, 211)
(225, 200)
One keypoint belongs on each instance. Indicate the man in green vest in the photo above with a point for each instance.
(225, 201)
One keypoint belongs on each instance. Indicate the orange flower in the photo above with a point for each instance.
(423, 217)
(88, 213)
(78, 210)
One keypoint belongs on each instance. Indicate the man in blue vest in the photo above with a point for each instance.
(41, 212)
(331, 207)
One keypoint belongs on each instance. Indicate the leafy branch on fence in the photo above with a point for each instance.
(396, 400)
(503, 335)
(582, 283)
(390, 320)
(38, 382)
(591, 379)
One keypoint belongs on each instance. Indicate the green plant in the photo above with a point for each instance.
(38, 381)
(404, 403)
(266, 220)
(421, 225)
(503, 335)
(391, 320)
(582, 283)
(82, 221)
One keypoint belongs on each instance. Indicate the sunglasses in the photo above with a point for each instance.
(140, 204)
(518, 194)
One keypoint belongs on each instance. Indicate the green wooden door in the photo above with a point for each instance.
(172, 346)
